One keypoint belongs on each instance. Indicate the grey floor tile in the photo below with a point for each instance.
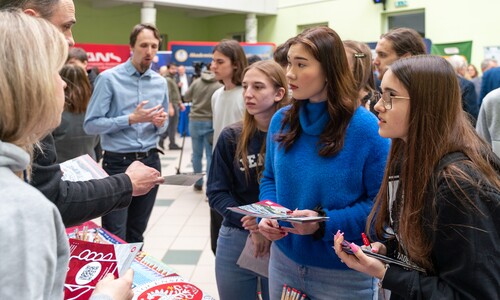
(182, 257)
(164, 202)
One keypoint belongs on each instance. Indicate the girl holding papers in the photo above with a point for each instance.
(234, 179)
(323, 157)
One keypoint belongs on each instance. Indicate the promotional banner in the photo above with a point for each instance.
(105, 56)
(191, 54)
(460, 48)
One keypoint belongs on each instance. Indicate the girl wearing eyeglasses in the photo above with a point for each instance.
(439, 204)
(323, 157)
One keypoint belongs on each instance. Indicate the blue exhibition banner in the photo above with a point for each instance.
(191, 53)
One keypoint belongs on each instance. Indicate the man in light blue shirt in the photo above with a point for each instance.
(127, 110)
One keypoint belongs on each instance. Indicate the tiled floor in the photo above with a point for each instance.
(178, 232)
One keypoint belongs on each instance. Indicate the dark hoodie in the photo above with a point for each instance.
(200, 94)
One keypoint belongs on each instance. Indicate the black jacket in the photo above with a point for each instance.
(466, 246)
(77, 201)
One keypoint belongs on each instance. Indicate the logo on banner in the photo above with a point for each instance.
(181, 55)
(103, 57)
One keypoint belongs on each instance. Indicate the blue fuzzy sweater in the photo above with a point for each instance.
(344, 185)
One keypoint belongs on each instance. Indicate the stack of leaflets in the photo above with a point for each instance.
(90, 262)
(270, 210)
(95, 253)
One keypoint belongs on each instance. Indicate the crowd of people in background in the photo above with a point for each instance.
(400, 145)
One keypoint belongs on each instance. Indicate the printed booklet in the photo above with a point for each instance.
(270, 210)
(82, 168)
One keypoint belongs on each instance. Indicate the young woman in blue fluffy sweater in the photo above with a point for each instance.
(324, 157)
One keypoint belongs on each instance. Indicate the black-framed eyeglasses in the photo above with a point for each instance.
(386, 98)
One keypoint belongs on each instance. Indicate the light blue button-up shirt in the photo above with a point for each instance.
(117, 92)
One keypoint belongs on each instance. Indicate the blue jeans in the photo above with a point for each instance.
(233, 282)
(318, 283)
(130, 223)
(202, 134)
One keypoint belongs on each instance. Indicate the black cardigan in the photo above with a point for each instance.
(77, 201)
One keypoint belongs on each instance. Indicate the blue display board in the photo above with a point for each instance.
(190, 53)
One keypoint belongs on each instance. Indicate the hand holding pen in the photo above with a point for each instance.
(358, 260)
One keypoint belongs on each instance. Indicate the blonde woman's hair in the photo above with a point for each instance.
(32, 53)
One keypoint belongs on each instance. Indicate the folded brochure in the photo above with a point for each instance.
(183, 179)
(82, 168)
(270, 210)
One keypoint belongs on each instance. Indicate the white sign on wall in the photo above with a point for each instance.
(492, 52)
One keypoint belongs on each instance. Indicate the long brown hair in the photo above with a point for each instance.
(78, 91)
(327, 48)
(437, 126)
(274, 72)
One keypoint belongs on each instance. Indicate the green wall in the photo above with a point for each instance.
(113, 25)
(446, 21)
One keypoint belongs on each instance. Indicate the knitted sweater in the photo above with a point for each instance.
(344, 185)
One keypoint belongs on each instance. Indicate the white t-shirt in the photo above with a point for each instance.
(185, 84)
(227, 108)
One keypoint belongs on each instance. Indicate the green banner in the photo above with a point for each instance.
(449, 49)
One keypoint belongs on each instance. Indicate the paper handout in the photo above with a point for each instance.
(183, 179)
(82, 168)
(270, 210)
(90, 262)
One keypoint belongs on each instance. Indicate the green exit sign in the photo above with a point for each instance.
(401, 3)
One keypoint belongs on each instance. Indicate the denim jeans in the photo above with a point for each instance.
(233, 282)
(318, 283)
(202, 134)
(130, 223)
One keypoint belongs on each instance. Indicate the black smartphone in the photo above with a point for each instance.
(346, 247)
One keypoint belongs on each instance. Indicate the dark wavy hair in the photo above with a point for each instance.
(327, 48)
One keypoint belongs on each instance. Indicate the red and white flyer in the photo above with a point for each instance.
(90, 262)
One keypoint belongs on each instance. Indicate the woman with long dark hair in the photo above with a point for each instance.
(438, 206)
(323, 157)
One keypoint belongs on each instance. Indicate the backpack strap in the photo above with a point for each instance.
(448, 159)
